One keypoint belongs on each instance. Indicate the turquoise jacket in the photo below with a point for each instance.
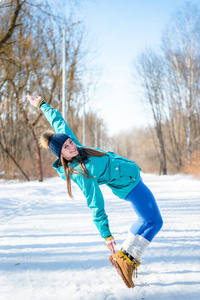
(118, 173)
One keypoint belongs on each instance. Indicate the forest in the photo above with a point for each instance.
(31, 60)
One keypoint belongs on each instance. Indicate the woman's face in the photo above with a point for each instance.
(69, 149)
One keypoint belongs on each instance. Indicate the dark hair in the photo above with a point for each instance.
(84, 153)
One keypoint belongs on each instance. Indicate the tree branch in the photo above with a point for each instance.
(8, 34)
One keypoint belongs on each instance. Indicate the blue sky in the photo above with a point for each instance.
(122, 29)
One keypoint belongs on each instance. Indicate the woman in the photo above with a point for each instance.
(89, 168)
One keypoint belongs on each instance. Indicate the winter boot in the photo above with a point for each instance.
(125, 266)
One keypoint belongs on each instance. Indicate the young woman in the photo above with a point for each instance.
(89, 168)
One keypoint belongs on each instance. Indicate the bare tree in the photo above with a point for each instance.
(14, 7)
(33, 61)
(151, 72)
(171, 84)
(181, 46)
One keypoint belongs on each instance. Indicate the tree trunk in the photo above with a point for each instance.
(38, 157)
(15, 162)
(37, 149)
(189, 144)
(163, 162)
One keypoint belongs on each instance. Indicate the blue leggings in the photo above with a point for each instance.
(149, 220)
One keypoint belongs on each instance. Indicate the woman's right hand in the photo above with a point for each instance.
(110, 243)
(35, 101)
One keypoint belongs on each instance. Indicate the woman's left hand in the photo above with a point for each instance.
(110, 243)
(34, 101)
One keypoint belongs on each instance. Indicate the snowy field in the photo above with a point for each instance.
(51, 250)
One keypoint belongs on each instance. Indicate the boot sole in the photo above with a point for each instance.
(119, 271)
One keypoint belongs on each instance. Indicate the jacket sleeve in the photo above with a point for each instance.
(95, 201)
(57, 122)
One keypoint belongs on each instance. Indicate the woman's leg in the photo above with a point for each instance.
(149, 220)
(147, 225)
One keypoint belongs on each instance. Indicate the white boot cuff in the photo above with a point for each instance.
(138, 246)
(129, 241)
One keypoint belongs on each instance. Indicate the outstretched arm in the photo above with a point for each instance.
(54, 117)
(95, 201)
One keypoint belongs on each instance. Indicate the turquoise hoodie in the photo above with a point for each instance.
(118, 173)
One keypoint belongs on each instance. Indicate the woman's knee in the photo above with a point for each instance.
(158, 223)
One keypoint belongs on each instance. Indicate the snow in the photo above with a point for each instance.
(51, 250)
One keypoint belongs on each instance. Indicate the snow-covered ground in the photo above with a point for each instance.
(51, 250)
